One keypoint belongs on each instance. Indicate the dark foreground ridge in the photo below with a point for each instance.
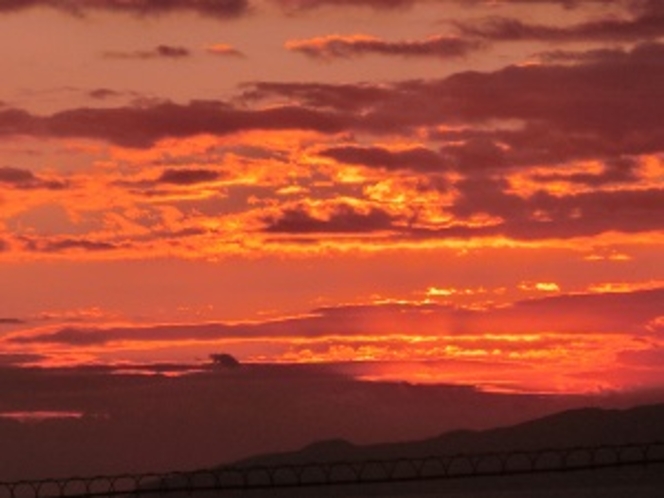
(340, 469)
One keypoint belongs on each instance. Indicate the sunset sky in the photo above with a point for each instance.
(459, 192)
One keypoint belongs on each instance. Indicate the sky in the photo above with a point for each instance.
(435, 192)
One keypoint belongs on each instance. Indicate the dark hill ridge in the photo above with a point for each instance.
(581, 427)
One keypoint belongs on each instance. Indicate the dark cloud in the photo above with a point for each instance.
(567, 56)
(25, 179)
(159, 52)
(103, 93)
(343, 47)
(344, 97)
(210, 8)
(173, 52)
(10, 321)
(610, 107)
(141, 126)
(343, 219)
(15, 175)
(621, 170)
(56, 245)
(478, 152)
(187, 176)
(414, 159)
(547, 216)
(376, 4)
(619, 313)
(15, 359)
(625, 312)
(295, 5)
(647, 24)
(614, 97)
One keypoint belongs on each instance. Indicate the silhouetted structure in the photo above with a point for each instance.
(362, 473)
(224, 360)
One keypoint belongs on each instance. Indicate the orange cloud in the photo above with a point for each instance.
(569, 334)
(539, 286)
(343, 47)
(223, 49)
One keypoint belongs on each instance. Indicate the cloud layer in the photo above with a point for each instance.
(401, 198)
(344, 47)
(215, 8)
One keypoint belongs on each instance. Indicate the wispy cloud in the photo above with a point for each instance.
(25, 179)
(344, 47)
(295, 5)
(647, 23)
(214, 8)
(187, 176)
(160, 52)
(564, 333)
(224, 50)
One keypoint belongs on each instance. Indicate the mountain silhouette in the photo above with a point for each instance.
(574, 428)
(580, 427)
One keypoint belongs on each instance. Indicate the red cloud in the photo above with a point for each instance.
(25, 179)
(142, 126)
(343, 219)
(415, 159)
(396, 4)
(567, 112)
(160, 52)
(63, 244)
(214, 8)
(609, 313)
(546, 216)
(342, 47)
(647, 23)
(376, 4)
(187, 176)
(590, 103)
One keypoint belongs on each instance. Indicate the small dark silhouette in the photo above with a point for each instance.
(224, 360)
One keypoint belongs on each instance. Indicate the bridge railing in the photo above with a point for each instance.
(436, 467)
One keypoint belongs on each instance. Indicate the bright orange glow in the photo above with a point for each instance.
(540, 286)
(223, 49)
(40, 416)
(481, 206)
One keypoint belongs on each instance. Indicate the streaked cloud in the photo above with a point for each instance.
(400, 4)
(187, 176)
(143, 126)
(483, 206)
(606, 313)
(646, 22)
(419, 159)
(214, 8)
(341, 218)
(224, 50)
(345, 47)
(25, 179)
(159, 52)
(561, 333)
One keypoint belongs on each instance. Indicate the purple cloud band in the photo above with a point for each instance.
(214, 8)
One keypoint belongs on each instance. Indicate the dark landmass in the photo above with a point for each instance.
(580, 427)
(588, 427)
(132, 421)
